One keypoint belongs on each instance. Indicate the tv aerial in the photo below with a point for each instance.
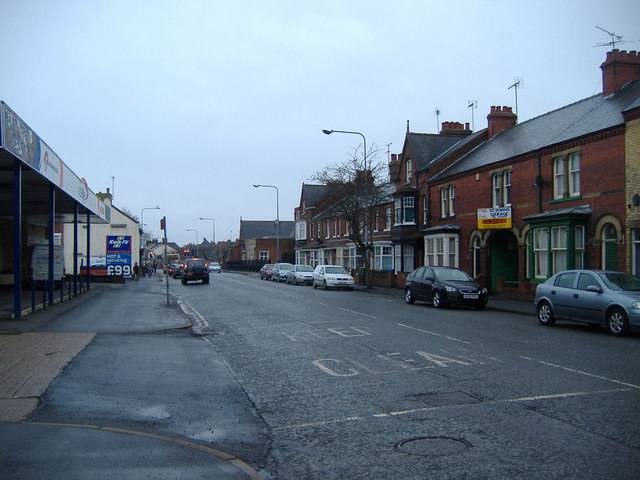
(472, 104)
(518, 82)
(614, 39)
(437, 111)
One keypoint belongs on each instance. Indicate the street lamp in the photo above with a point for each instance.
(142, 225)
(366, 227)
(197, 241)
(277, 218)
(364, 141)
(213, 236)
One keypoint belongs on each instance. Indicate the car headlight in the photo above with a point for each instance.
(484, 290)
(635, 304)
(451, 289)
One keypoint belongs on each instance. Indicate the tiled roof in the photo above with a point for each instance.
(427, 146)
(265, 229)
(585, 117)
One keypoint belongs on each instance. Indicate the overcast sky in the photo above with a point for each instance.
(188, 103)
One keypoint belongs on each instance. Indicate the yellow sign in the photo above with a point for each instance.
(494, 218)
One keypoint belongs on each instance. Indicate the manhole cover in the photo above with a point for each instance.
(433, 446)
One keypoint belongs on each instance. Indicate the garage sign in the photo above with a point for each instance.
(489, 218)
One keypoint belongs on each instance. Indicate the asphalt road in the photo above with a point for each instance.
(357, 385)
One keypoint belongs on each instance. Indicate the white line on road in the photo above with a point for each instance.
(434, 333)
(445, 407)
(357, 313)
(573, 370)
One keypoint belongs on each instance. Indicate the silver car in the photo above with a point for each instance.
(601, 297)
(332, 276)
(279, 273)
(300, 274)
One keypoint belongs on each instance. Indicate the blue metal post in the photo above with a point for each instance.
(88, 250)
(75, 249)
(17, 241)
(52, 210)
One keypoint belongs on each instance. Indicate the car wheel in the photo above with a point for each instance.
(438, 301)
(205, 281)
(295, 281)
(324, 285)
(408, 296)
(184, 282)
(617, 322)
(545, 313)
(315, 285)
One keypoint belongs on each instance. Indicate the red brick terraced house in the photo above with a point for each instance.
(322, 236)
(516, 202)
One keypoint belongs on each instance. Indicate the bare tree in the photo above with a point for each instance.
(358, 186)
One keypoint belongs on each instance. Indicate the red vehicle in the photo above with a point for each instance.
(266, 271)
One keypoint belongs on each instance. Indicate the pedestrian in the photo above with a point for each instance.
(136, 272)
(155, 266)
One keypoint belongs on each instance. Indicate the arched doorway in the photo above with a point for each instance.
(609, 247)
(503, 248)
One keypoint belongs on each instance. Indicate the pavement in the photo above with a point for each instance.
(32, 357)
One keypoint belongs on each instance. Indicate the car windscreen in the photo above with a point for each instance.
(621, 281)
(304, 268)
(452, 275)
(335, 270)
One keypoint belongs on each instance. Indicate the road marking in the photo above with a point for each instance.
(573, 370)
(356, 313)
(445, 407)
(434, 334)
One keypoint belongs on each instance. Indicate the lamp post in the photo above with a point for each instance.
(277, 218)
(366, 167)
(213, 232)
(142, 226)
(197, 241)
(364, 141)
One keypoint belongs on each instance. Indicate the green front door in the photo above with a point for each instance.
(504, 258)
(610, 256)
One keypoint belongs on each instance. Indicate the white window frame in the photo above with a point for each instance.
(496, 188)
(444, 202)
(442, 250)
(559, 186)
(387, 219)
(506, 188)
(264, 255)
(541, 252)
(383, 256)
(409, 166)
(559, 248)
(452, 195)
(301, 230)
(408, 203)
(573, 164)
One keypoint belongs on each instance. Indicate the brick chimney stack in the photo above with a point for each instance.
(619, 68)
(500, 118)
(455, 128)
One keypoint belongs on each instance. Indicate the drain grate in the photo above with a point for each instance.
(433, 446)
(437, 399)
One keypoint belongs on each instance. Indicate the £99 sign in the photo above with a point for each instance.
(119, 255)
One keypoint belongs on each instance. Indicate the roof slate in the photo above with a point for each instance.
(265, 229)
(579, 119)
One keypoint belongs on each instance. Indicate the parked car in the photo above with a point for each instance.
(195, 269)
(443, 286)
(280, 272)
(215, 267)
(601, 297)
(266, 271)
(332, 276)
(300, 274)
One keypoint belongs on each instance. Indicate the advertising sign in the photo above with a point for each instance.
(40, 262)
(119, 255)
(494, 218)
